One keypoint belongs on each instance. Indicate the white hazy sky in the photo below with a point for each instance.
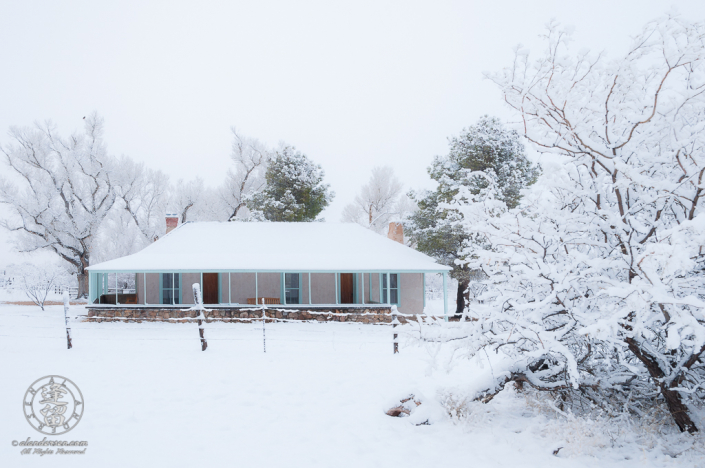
(351, 84)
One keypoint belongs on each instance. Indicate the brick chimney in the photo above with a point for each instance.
(396, 232)
(172, 221)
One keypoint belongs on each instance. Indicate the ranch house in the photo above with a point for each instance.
(290, 266)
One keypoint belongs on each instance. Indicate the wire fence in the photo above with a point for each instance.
(56, 289)
(85, 328)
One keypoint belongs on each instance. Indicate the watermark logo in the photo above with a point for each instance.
(53, 405)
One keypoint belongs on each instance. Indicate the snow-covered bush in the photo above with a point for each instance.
(532, 415)
(595, 281)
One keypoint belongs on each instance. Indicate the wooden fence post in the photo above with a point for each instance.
(201, 316)
(395, 323)
(66, 320)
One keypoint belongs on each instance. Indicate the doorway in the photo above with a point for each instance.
(347, 288)
(210, 288)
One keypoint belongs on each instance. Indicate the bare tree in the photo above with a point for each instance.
(119, 236)
(143, 194)
(377, 202)
(64, 191)
(186, 198)
(250, 157)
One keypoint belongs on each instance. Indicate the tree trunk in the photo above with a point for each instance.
(460, 297)
(675, 404)
(82, 285)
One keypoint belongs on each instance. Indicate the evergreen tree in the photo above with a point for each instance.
(436, 228)
(295, 190)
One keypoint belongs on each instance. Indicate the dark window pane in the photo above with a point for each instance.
(384, 296)
(176, 297)
(291, 280)
(393, 280)
(167, 280)
(167, 294)
(292, 296)
(384, 281)
(394, 294)
(176, 280)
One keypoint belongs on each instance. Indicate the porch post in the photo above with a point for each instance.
(144, 282)
(194, 299)
(445, 295)
(282, 288)
(256, 290)
(116, 288)
(362, 283)
(230, 287)
(336, 288)
(389, 298)
(309, 288)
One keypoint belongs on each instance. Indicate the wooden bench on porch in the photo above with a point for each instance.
(267, 300)
(122, 299)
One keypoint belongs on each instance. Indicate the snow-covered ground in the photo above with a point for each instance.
(316, 398)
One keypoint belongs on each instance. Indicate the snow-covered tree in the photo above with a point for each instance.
(437, 228)
(193, 201)
(376, 204)
(143, 194)
(63, 191)
(295, 190)
(250, 158)
(118, 236)
(37, 282)
(596, 285)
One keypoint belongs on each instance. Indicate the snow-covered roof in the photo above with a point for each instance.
(295, 247)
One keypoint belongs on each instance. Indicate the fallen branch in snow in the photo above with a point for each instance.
(406, 407)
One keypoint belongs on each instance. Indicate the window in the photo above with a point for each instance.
(292, 288)
(171, 288)
(393, 288)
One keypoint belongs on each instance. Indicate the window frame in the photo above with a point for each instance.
(383, 289)
(285, 289)
(176, 292)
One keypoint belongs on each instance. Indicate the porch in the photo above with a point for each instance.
(236, 290)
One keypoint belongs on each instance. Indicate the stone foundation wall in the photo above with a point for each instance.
(341, 314)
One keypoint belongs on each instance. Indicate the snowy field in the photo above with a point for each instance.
(316, 398)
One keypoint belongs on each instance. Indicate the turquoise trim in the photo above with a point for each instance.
(283, 289)
(398, 288)
(369, 279)
(355, 301)
(337, 288)
(388, 290)
(179, 290)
